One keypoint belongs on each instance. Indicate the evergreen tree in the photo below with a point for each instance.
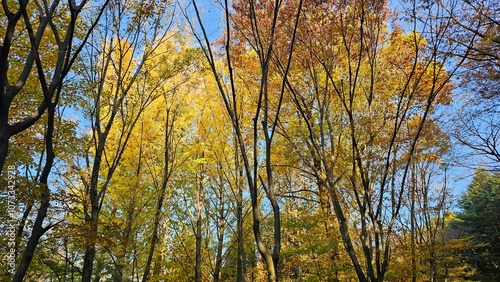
(479, 221)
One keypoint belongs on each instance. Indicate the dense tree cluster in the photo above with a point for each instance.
(298, 141)
(478, 222)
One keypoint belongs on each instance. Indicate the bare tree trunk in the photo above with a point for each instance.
(443, 239)
(92, 216)
(7, 93)
(198, 233)
(36, 233)
(119, 265)
(220, 234)
(88, 262)
(412, 228)
(218, 257)
(241, 260)
(156, 228)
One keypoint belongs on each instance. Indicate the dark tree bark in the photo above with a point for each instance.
(51, 95)
(66, 55)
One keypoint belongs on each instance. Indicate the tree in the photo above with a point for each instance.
(475, 125)
(365, 95)
(175, 108)
(428, 201)
(53, 25)
(479, 221)
(476, 20)
(313, 125)
(118, 91)
(254, 25)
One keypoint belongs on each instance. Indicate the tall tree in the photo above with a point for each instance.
(427, 202)
(254, 24)
(364, 91)
(119, 91)
(52, 25)
(479, 221)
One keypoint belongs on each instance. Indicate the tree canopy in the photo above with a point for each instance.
(478, 221)
(285, 140)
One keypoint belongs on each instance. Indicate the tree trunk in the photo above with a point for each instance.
(167, 158)
(218, 258)
(263, 250)
(92, 219)
(120, 261)
(198, 235)
(38, 229)
(277, 234)
(36, 233)
(154, 238)
(118, 273)
(344, 228)
(220, 235)
(5, 95)
(88, 261)
(241, 261)
(4, 145)
(412, 230)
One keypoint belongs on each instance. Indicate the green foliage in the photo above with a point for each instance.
(479, 222)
